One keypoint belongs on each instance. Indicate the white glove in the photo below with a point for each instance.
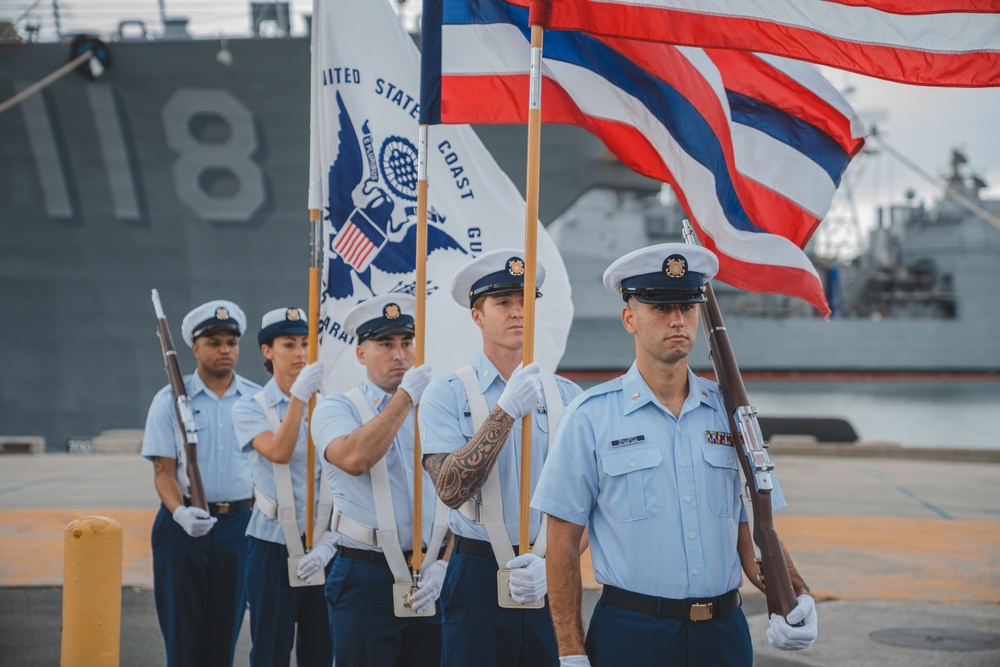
(308, 382)
(431, 580)
(415, 381)
(194, 520)
(316, 560)
(527, 578)
(523, 392)
(784, 635)
(574, 661)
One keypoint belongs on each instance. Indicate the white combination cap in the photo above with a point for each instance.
(664, 273)
(493, 272)
(282, 322)
(380, 316)
(218, 315)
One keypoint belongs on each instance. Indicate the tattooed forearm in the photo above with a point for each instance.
(459, 475)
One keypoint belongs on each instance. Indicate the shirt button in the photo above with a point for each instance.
(631, 464)
(694, 572)
(684, 464)
(687, 499)
(691, 535)
(678, 427)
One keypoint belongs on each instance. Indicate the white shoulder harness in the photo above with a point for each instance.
(489, 510)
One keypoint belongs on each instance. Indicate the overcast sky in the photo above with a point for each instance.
(924, 124)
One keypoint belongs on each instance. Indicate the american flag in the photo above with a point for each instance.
(358, 241)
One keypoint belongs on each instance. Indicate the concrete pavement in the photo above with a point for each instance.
(902, 556)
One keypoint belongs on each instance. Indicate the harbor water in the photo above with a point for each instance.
(959, 414)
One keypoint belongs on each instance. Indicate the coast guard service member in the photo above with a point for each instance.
(646, 462)
(367, 436)
(470, 426)
(199, 558)
(284, 588)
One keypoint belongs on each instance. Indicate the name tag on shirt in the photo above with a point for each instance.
(720, 438)
(628, 441)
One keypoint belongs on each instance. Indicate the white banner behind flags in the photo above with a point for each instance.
(367, 106)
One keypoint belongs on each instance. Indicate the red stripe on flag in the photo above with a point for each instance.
(972, 69)
(747, 74)
(462, 99)
(783, 216)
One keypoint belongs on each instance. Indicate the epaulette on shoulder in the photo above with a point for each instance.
(249, 384)
(600, 390)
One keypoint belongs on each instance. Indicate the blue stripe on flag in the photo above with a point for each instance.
(674, 111)
(805, 138)
(430, 63)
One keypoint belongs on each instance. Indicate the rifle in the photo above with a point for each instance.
(755, 465)
(182, 405)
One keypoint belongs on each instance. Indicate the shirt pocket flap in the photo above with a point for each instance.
(720, 456)
(630, 460)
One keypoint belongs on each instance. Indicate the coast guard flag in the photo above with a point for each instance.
(928, 42)
(754, 146)
(363, 164)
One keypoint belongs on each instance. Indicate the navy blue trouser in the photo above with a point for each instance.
(621, 637)
(199, 589)
(476, 631)
(366, 632)
(277, 608)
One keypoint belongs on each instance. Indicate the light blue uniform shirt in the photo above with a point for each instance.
(661, 500)
(334, 417)
(224, 466)
(446, 426)
(249, 421)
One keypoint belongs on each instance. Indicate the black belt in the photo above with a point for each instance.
(691, 609)
(465, 545)
(376, 556)
(224, 508)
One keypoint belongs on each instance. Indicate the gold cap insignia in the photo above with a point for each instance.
(515, 266)
(391, 311)
(675, 266)
(292, 314)
(222, 313)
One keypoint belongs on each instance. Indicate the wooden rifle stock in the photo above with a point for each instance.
(753, 459)
(182, 407)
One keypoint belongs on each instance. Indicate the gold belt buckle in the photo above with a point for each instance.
(701, 612)
(222, 508)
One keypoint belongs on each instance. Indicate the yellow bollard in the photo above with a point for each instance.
(92, 592)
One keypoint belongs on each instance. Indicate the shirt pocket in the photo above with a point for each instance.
(722, 480)
(634, 489)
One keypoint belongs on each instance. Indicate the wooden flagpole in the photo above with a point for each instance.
(531, 262)
(314, 282)
(316, 259)
(419, 331)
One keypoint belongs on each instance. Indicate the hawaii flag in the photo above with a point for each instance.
(363, 179)
(753, 146)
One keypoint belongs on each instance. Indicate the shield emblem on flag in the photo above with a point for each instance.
(358, 241)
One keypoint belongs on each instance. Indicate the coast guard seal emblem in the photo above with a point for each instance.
(675, 266)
